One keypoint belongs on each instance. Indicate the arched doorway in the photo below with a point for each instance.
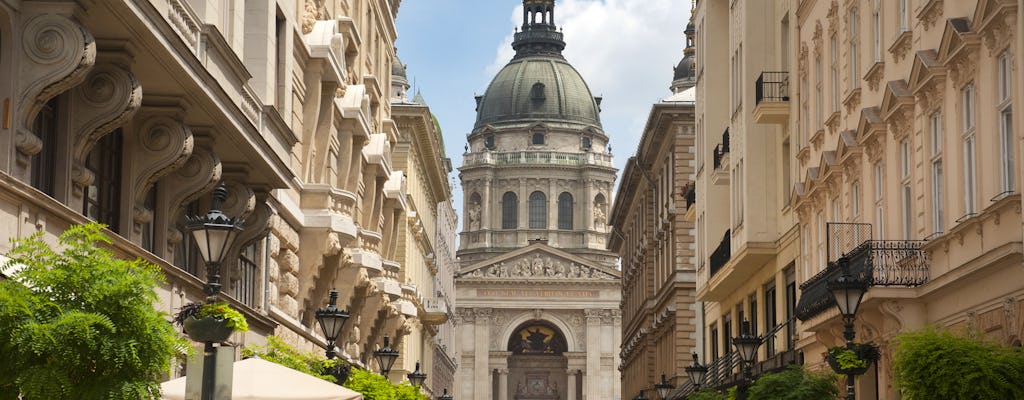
(537, 366)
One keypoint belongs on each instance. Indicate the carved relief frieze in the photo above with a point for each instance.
(901, 46)
(963, 67)
(57, 53)
(930, 12)
(539, 266)
(998, 33)
(802, 68)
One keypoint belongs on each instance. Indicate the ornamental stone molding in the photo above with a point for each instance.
(106, 100)
(930, 13)
(157, 145)
(57, 53)
(198, 176)
(539, 266)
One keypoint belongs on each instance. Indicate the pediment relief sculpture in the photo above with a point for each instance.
(539, 266)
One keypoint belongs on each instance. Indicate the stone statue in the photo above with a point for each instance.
(474, 216)
(599, 216)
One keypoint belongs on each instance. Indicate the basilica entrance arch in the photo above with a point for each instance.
(537, 363)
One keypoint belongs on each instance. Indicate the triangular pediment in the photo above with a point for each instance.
(955, 37)
(896, 96)
(538, 262)
(926, 66)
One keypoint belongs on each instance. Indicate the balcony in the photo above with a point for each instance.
(435, 311)
(720, 160)
(771, 95)
(898, 263)
(537, 158)
(721, 255)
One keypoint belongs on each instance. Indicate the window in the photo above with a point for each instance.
(805, 251)
(1006, 141)
(967, 135)
(855, 199)
(821, 242)
(538, 138)
(280, 55)
(804, 131)
(149, 228)
(247, 286)
(787, 172)
(836, 210)
(753, 314)
(770, 317)
(791, 331)
(587, 143)
(727, 331)
(905, 197)
(103, 197)
(935, 136)
(834, 71)
(489, 141)
(538, 211)
(904, 16)
(876, 34)
(537, 92)
(820, 94)
(565, 211)
(854, 50)
(509, 211)
(714, 342)
(879, 207)
(186, 253)
(44, 164)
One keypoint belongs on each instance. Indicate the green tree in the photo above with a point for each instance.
(277, 351)
(795, 383)
(377, 387)
(80, 323)
(937, 364)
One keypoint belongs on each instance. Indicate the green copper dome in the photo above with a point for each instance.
(538, 88)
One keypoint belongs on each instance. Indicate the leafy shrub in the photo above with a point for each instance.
(707, 394)
(794, 383)
(277, 351)
(937, 364)
(377, 387)
(80, 323)
(219, 310)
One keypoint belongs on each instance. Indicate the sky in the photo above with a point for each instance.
(624, 49)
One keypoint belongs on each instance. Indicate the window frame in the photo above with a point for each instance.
(509, 210)
(538, 210)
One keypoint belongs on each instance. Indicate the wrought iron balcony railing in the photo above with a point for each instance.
(772, 86)
(721, 149)
(690, 194)
(879, 262)
(721, 255)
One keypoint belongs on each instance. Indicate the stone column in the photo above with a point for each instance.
(481, 360)
(486, 217)
(593, 384)
(503, 384)
(552, 206)
(587, 205)
(570, 385)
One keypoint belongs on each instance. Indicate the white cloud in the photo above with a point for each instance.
(625, 50)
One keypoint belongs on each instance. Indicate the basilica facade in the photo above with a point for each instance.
(538, 313)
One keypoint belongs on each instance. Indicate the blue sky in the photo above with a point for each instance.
(625, 49)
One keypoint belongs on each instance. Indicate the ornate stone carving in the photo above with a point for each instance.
(998, 33)
(197, 176)
(539, 266)
(930, 12)
(313, 11)
(157, 146)
(57, 54)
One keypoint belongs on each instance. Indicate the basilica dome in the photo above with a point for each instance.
(538, 87)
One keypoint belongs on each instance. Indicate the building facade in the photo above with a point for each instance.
(890, 140)
(538, 292)
(130, 113)
(655, 242)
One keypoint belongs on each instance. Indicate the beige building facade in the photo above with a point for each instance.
(130, 113)
(538, 311)
(878, 130)
(655, 242)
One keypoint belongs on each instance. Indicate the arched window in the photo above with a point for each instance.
(538, 211)
(509, 211)
(538, 138)
(565, 211)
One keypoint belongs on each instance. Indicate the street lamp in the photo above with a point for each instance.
(663, 387)
(214, 233)
(848, 293)
(697, 373)
(445, 396)
(417, 377)
(640, 396)
(386, 357)
(331, 320)
(746, 344)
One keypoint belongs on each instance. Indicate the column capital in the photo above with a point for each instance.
(502, 371)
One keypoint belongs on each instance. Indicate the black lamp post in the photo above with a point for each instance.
(641, 396)
(445, 395)
(746, 344)
(697, 373)
(331, 321)
(214, 234)
(848, 293)
(664, 387)
(416, 377)
(386, 357)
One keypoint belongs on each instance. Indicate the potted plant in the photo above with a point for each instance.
(210, 322)
(853, 361)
